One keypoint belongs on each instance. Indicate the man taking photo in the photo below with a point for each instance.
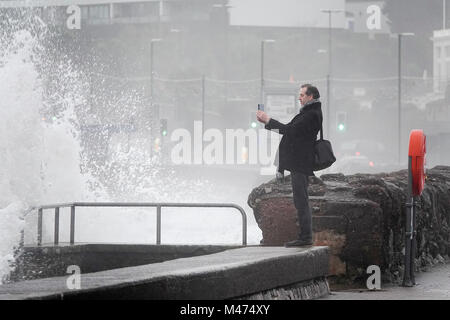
(296, 154)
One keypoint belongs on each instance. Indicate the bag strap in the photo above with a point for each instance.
(321, 132)
(321, 129)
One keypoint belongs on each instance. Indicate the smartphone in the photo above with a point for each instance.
(260, 106)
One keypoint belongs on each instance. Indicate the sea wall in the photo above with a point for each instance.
(361, 218)
(35, 262)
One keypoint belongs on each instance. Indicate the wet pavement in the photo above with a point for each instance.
(433, 284)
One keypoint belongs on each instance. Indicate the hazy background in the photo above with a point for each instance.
(207, 63)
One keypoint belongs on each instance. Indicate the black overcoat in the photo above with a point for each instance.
(296, 150)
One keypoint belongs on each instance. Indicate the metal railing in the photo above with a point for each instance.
(128, 204)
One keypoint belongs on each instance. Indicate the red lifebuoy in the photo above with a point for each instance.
(417, 150)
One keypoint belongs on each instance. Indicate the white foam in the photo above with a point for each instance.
(39, 160)
(40, 164)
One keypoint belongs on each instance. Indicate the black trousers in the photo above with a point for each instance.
(301, 202)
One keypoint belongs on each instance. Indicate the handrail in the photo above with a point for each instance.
(158, 206)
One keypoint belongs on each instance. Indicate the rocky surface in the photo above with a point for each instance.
(307, 290)
(361, 218)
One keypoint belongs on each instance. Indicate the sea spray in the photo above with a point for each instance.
(39, 149)
(47, 102)
(11, 227)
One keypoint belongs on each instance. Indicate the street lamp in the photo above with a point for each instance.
(400, 35)
(444, 9)
(152, 42)
(329, 12)
(152, 113)
(263, 42)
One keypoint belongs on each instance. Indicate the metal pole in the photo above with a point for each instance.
(399, 94)
(244, 228)
(408, 229)
(151, 73)
(158, 225)
(72, 225)
(444, 9)
(56, 240)
(329, 76)
(203, 113)
(413, 240)
(407, 265)
(151, 99)
(330, 65)
(39, 226)
(262, 73)
(329, 42)
(328, 107)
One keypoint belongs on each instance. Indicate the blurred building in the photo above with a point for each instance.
(441, 59)
(437, 125)
(106, 12)
(221, 39)
(357, 14)
(286, 13)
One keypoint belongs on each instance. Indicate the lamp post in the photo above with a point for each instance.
(400, 35)
(222, 22)
(263, 42)
(153, 123)
(152, 42)
(444, 13)
(329, 12)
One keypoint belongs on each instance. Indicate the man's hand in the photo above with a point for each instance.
(262, 117)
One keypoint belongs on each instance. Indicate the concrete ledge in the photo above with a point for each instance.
(225, 275)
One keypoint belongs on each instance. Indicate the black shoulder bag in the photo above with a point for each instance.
(323, 153)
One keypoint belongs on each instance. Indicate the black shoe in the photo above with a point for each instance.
(298, 243)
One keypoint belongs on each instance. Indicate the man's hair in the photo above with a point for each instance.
(311, 90)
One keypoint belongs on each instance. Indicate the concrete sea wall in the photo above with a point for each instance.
(253, 272)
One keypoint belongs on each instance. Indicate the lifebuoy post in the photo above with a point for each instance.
(416, 183)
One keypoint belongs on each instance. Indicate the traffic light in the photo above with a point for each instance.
(253, 121)
(163, 127)
(244, 154)
(157, 145)
(341, 121)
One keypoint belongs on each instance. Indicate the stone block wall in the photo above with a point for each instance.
(361, 218)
